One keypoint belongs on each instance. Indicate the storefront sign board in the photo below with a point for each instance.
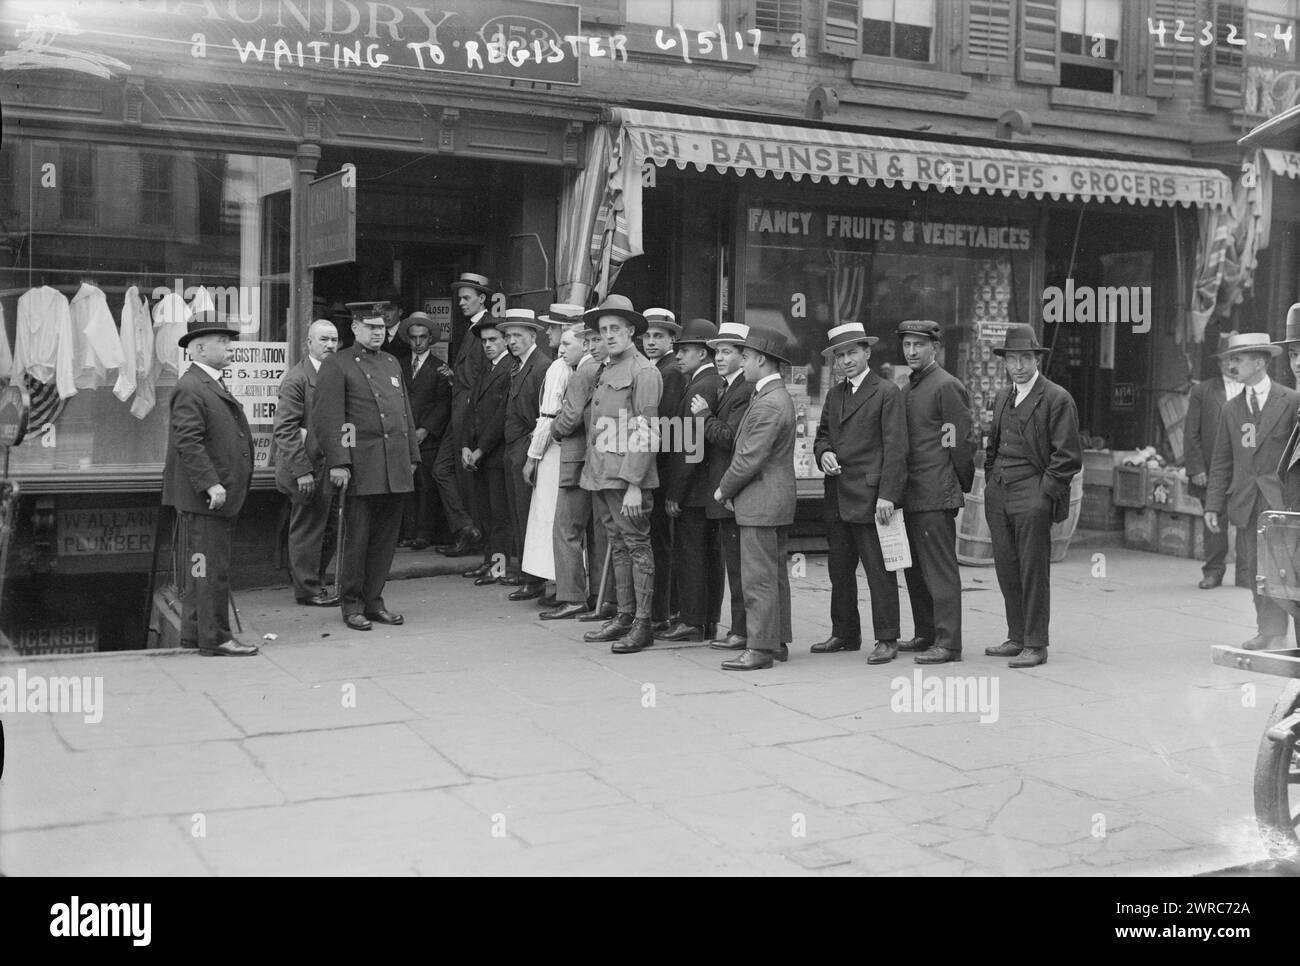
(332, 220)
(253, 377)
(102, 531)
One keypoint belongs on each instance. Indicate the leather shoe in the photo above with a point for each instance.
(681, 632)
(616, 627)
(638, 638)
(937, 655)
(485, 579)
(386, 617)
(419, 543)
(1209, 583)
(658, 627)
(1029, 657)
(732, 642)
(357, 622)
(527, 592)
(782, 653)
(468, 541)
(885, 652)
(231, 648)
(550, 600)
(1005, 649)
(605, 613)
(750, 660)
(563, 612)
(404, 544)
(833, 644)
(916, 644)
(478, 571)
(1262, 642)
(320, 600)
(513, 580)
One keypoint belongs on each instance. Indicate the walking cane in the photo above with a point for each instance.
(338, 544)
(604, 576)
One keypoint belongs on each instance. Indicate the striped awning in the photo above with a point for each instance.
(1283, 162)
(823, 155)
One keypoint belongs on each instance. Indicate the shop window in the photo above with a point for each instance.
(76, 179)
(1089, 58)
(156, 189)
(691, 14)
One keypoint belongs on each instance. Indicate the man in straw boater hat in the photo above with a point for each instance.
(1204, 406)
(206, 476)
(1034, 452)
(620, 469)
(861, 446)
(657, 341)
(1251, 441)
(758, 487)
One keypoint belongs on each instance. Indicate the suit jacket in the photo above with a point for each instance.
(867, 432)
(485, 417)
(1051, 429)
(1204, 405)
(363, 421)
(209, 442)
(396, 346)
(1239, 472)
(524, 395)
(720, 428)
(760, 479)
(569, 428)
(430, 394)
(688, 476)
(466, 368)
(1288, 469)
(297, 451)
(940, 460)
(674, 384)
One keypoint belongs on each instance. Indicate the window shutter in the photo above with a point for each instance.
(1172, 69)
(841, 28)
(778, 16)
(1228, 61)
(610, 12)
(987, 49)
(1040, 41)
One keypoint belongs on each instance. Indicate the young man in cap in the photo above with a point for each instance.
(483, 451)
(206, 476)
(1251, 441)
(759, 488)
(528, 368)
(620, 469)
(940, 468)
(1034, 452)
(301, 473)
(861, 446)
(687, 494)
(1204, 405)
(657, 342)
(430, 393)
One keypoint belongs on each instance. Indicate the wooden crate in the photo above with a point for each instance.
(1098, 511)
(1130, 486)
(1140, 529)
(1174, 534)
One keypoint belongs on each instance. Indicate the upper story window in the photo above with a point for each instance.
(156, 189)
(1090, 47)
(691, 14)
(903, 29)
(1255, 61)
(76, 184)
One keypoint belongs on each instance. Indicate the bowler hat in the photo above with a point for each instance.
(1250, 342)
(1020, 338)
(522, 318)
(767, 341)
(1292, 327)
(696, 332)
(418, 318)
(619, 305)
(206, 322)
(848, 333)
(920, 327)
(561, 313)
(662, 319)
(472, 280)
(730, 333)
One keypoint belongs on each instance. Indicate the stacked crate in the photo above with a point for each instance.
(1099, 511)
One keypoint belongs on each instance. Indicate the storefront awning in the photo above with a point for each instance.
(822, 155)
(1283, 162)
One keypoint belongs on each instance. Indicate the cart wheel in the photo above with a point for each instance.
(1277, 784)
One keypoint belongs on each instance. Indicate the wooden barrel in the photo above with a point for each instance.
(975, 546)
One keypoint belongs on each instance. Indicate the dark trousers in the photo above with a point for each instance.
(494, 514)
(312, 535)
(698, 567)
(847, 544)
(455, 484)
(418, 507)
(933, 580)
(519, 494)
(729, 538)
(661, 542)
(767, 587)
(577, 576)
(371, 525)
(205, 612)
(633, 560)
(1020, 525)
(1216, 553)
(1270, 617)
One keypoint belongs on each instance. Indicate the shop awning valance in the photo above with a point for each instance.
(822, 155)
(1283, 162)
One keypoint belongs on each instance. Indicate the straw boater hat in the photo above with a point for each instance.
(920, 327)
(561, 313)
(1250, 342)
(731, 333)
(521, 319)
(662, 319)
(1292, 327)
(206, 322)
(418, 318)
(619, 305)
(471, 280)
(1020, 338)
(767, 341)
(697, 332)
(848, 333)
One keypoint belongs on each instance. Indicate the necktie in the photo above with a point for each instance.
(1252, 402)
(222, 383)
(415, 370)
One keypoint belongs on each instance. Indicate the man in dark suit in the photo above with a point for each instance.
(301, 473)
(687, 494)
(720, 426)
(206, 476)
(759, 486)
(657, 342)
(1248, 448)
(1034, 452)
(1204, 404)
(430, 394)
(523, 404)
(1288, 468)
(940, 468)
(363, 421)
(482, 448)
(861, 446)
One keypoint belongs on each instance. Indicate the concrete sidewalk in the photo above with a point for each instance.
(477, 739)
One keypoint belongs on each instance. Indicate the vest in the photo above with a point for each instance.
(1012, 464)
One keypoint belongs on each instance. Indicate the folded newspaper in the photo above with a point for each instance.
(893, 543)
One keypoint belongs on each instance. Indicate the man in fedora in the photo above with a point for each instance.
(523, 404)
(1204, 405)
(1248, 448)
(861, 446)
(698, 571)
(483, 451)
(430, 394)
(940, 468)
(363, 421)
(206, 476)
(657, 341)
(1034, 452)
(1288, 467)
(620, 470)
(759, 487)
(301, 473)
(456, 484)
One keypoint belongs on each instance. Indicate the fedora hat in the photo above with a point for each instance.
(206, 322)
(848, 333)
(561, 313)
(697, 332)
(662, 319)
(767, 341)
(730, 333)
(619, 305)
(521, 318)
(1020, 338)
(419, 318)
(1250, 342)
(472, 280)
(920, 327)
(1292, 335)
